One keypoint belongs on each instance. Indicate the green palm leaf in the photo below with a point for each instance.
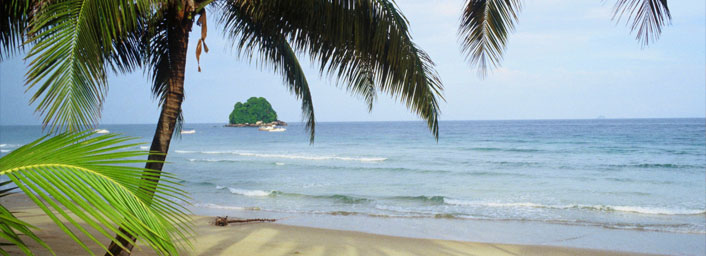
(647, 17)
(485, 25)
(365, 44)
(253, 39)
(73, 40)
(15, 15)
(157, 52)
(76, 176)
(484, 29)
(9, 224)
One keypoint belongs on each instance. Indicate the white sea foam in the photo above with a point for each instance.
(246, 192)
(313, 157)
(4, 150)
(655, 210)
(215, 206)
(9, 145)
(226, 207)
(278, 163)
(606, 208)
(287, 156)
(211, 160)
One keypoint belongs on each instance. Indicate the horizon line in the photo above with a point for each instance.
(454, 120)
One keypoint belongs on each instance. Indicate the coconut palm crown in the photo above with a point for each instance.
(72, 46)
(486, 24)
(365, 44)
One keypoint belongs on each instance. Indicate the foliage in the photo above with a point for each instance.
(253, 110)
(366, 45)
(73, 42)
(79, 176)
(9, 223)
(485, 25)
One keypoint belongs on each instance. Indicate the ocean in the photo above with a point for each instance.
(620, 184)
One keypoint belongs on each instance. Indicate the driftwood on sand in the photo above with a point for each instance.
(223, 221)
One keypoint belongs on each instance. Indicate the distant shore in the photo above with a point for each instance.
(278, 239)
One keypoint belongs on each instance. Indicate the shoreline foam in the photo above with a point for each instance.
(280, 239)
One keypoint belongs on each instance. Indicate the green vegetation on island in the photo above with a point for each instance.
(72, 46)
(253, 110)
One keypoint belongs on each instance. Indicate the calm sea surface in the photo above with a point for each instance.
(643, 175)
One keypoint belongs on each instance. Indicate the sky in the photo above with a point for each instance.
(566, 60)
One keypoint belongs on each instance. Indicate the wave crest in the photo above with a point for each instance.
(286, 156)
(10, 145)
(604, 208)
(657, 166)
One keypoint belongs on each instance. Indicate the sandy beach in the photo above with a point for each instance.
(278, 239)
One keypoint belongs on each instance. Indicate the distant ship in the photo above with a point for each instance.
(101, 131)
(188, 131)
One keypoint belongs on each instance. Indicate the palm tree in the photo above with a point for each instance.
(485, 25)
(365, 44)
(91, 177)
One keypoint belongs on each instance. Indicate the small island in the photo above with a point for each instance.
(255, 112)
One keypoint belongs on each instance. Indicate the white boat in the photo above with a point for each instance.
(188, 131)
(271, 128)
(266, 128)
(101, 131)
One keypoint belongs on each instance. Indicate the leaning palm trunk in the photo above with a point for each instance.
(179, 27)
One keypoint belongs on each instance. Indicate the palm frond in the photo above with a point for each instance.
(646, 17)
(14, 19)
(10, 225)
(352, 40)
(484, 29)
(91, 177)
(363, 84)
(157, 56)
(9, 228)
(250, 37)
(72, 42)
(157, 53)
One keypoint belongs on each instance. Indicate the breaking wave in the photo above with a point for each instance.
(441, 200)
(287, 156)
(656, 166)
(604, 208)
(10, 145)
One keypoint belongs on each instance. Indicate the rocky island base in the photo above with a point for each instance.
(259, 124)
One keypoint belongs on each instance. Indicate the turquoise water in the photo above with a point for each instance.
(645, 175)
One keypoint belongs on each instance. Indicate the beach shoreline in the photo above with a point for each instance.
(282, 239)
(520, 233)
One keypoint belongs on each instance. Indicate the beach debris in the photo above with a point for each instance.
(223, 221)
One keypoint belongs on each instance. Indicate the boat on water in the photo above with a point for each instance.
(271, 128)
(101, 131)
(266, 128)
(188, 131)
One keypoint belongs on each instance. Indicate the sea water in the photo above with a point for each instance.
(536, 182)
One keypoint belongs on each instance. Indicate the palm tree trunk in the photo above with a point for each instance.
(178, 36)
